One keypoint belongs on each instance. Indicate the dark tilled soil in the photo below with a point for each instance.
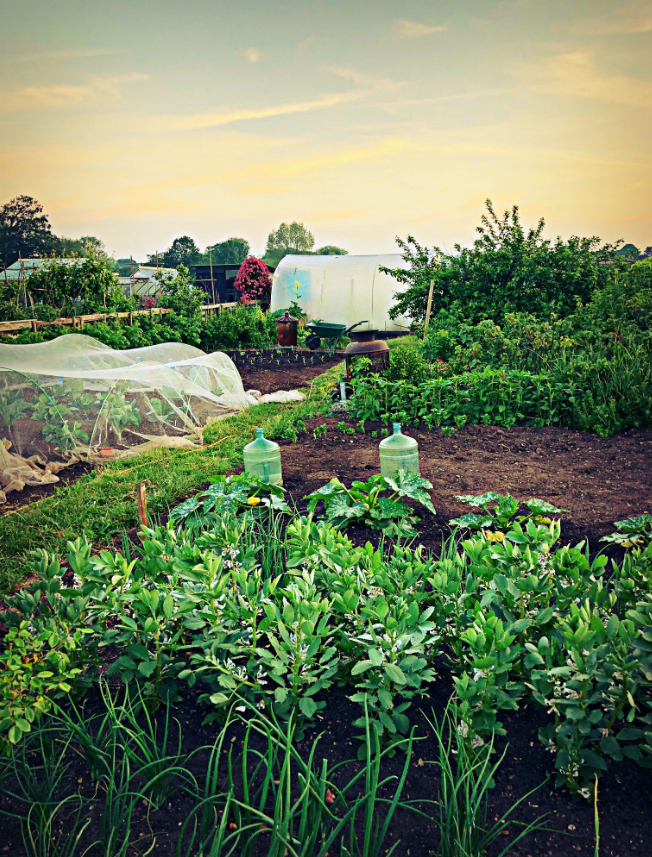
(625, 792)
(598, 480)
(34, 493)
(267, 376)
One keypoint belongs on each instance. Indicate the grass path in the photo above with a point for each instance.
(103, 502)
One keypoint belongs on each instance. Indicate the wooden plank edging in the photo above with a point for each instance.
(81, 320)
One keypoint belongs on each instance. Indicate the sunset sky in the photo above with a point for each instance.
(142, 120)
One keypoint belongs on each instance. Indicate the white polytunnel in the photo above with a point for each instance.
(341, 289)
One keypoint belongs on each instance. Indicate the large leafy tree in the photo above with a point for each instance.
(290, 238)
(507, 269)
(182, 251)
(24, 230)
(87, 245)
(233, 251)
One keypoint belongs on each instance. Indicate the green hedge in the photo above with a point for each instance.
(241, 327)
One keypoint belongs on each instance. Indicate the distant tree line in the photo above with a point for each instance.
(184, 251)
(288, 238)
(631, 252)
(294, 238)
(26, 232)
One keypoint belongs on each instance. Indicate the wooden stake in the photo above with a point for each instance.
(159, 284)
(428, 308)
(22, 279)
(210, 262)
(142, 504)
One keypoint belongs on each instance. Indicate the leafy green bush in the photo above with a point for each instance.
(406, 360)
(523, 342)
(598, 395)
(594, 366)
(623, 304)
(499, 513)
(490, 396)
(362, 502)
(240, 327)
(240, 492)
(70, 287)
(508, 269)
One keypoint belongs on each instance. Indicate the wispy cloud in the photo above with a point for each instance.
(277, 176)
(64, 95)
(624, 26)
(473, 95)
(196, 121)
(78, 53)
(415, 29)
(261, 170)
(113, 85)
(385, 148)
(252, 55)
(31, 97)
(367, 81)
(578, 75)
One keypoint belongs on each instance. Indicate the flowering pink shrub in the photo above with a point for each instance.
(254, 282)
(148, 303)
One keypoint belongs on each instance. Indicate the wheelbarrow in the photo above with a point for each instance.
(323, 330)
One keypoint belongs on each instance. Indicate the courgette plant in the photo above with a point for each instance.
(234, 494)
(499, 513)
(362, 503)
(632, 532)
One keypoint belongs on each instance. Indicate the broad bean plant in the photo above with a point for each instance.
(517, 621)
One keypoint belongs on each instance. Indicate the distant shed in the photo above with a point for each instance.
(145, 283)
(218, 282)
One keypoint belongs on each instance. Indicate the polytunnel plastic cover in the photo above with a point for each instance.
(341, 289)
(74, 398)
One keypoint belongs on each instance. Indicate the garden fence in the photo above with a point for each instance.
(80, 320)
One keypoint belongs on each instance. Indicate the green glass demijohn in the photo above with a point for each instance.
(263, 458)
(398, 452)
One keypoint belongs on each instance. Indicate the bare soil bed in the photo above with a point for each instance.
(598, 480)
(271, 370)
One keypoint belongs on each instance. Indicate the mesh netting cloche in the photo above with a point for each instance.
(74, 399)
